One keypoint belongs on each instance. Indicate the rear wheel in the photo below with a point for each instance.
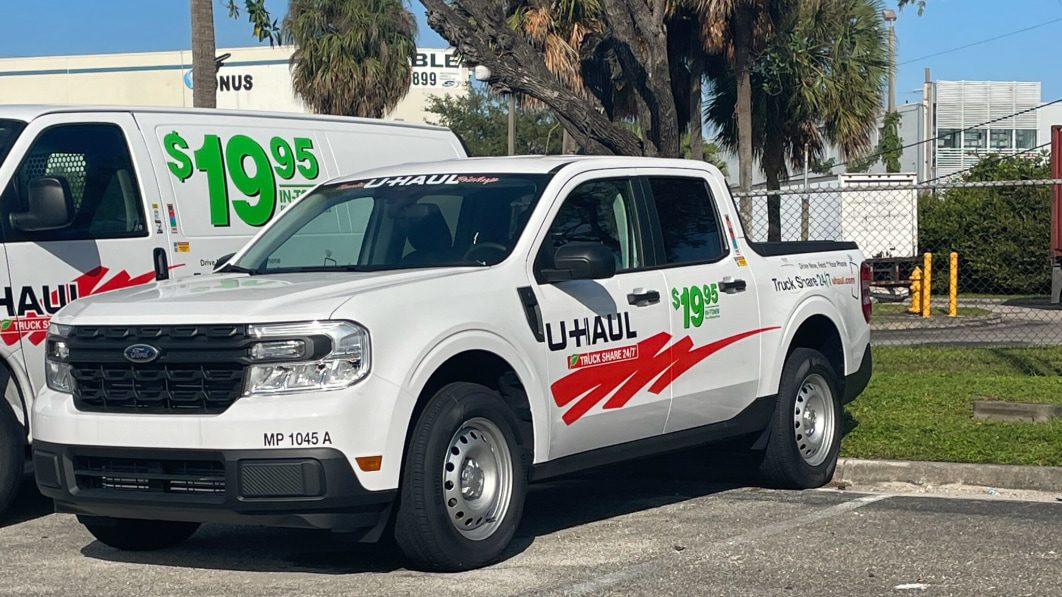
(12, 445)
(138, 535)
(464, 481)
(805, 433)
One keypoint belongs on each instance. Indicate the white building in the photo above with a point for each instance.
(955, 106)
(256, 78)
(961, 109)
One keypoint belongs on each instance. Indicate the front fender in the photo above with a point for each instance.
(455, 343)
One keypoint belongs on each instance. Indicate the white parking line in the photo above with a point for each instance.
(631, 572)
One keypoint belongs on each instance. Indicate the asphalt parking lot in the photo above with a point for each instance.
(670, 528)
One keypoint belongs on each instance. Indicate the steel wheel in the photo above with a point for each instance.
(814, 419)
(477, 479)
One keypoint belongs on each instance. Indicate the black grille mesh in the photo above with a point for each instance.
(200, 369)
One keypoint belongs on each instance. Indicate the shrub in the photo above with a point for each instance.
(1002, 234)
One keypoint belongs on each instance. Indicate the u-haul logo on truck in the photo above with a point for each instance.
(29, 309)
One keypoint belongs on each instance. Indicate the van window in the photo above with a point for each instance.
(9, 130)
(92, 161)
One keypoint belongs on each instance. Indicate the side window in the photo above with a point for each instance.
(689, 223)
(92, 162)
(600, 211)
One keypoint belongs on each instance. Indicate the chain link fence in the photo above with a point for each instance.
(982, 249)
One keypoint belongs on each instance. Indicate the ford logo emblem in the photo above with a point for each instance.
(141, 353)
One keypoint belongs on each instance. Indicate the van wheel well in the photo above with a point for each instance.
(486, 369)
(819, 333)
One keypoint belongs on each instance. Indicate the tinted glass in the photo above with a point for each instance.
(9, 130)
(601, 211)
(92, 163)
(688, 221)
(399, 222)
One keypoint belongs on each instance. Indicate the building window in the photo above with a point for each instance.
(1025, 138)
(1002, 139)
(948, 139)
(975, 139)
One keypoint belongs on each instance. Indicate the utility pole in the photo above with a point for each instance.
(890, 18)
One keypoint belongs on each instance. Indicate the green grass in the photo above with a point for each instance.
(918, 406)
(891, 309)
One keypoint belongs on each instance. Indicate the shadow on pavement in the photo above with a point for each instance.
(29, 504)
(551, 506)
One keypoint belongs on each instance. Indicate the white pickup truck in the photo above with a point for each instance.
(402, 351)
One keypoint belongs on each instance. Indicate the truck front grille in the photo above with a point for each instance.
(199, 370)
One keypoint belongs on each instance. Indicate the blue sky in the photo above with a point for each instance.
(53, 27)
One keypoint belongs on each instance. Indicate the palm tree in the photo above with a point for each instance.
(204, 70)
(353, 57)
(736, 29)
(818, 82)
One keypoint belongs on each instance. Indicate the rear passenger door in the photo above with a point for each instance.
(711, 301)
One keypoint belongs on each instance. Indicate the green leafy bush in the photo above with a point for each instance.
(1002, 234)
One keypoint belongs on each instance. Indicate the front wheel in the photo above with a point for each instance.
(805, 434)
(464, 481)
(138, 535)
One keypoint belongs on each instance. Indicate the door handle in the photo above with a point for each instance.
(162, 266)
(643, 298)
(731, 286)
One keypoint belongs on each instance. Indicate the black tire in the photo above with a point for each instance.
(138, 535)
(782, 464)
(12, 450)
(423, 528)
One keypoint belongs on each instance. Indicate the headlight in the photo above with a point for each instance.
(58, 373)
(298, 357)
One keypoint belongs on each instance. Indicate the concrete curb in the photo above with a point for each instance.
(1041, 478)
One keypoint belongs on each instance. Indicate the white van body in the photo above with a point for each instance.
(157, 193)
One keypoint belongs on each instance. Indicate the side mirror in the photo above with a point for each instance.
(50, 206)
(222, 261)
(580, 261)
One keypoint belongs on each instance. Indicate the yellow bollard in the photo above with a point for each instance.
(953, 285)
(916, 291)
(927, 284)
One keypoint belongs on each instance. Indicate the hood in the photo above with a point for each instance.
(238, 298)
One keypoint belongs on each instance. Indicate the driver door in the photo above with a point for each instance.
(605, 340)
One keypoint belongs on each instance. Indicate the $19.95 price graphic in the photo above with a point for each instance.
(252, 169)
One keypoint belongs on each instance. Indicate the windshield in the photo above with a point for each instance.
(399, 222)
(9, 130)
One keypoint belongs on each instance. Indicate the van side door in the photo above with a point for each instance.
(94, 164)
(711, 300)
(603, 340)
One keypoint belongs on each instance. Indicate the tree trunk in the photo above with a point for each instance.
(696, 117)
(204, 69)
(773, 168)
(743, 109)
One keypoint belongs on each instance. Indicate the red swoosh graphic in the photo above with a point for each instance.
(585, 388)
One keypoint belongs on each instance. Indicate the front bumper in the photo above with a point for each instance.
(302, 488)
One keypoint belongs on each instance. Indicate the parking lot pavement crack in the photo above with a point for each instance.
(604, 582)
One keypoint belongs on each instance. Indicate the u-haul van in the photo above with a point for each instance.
(97, 199)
